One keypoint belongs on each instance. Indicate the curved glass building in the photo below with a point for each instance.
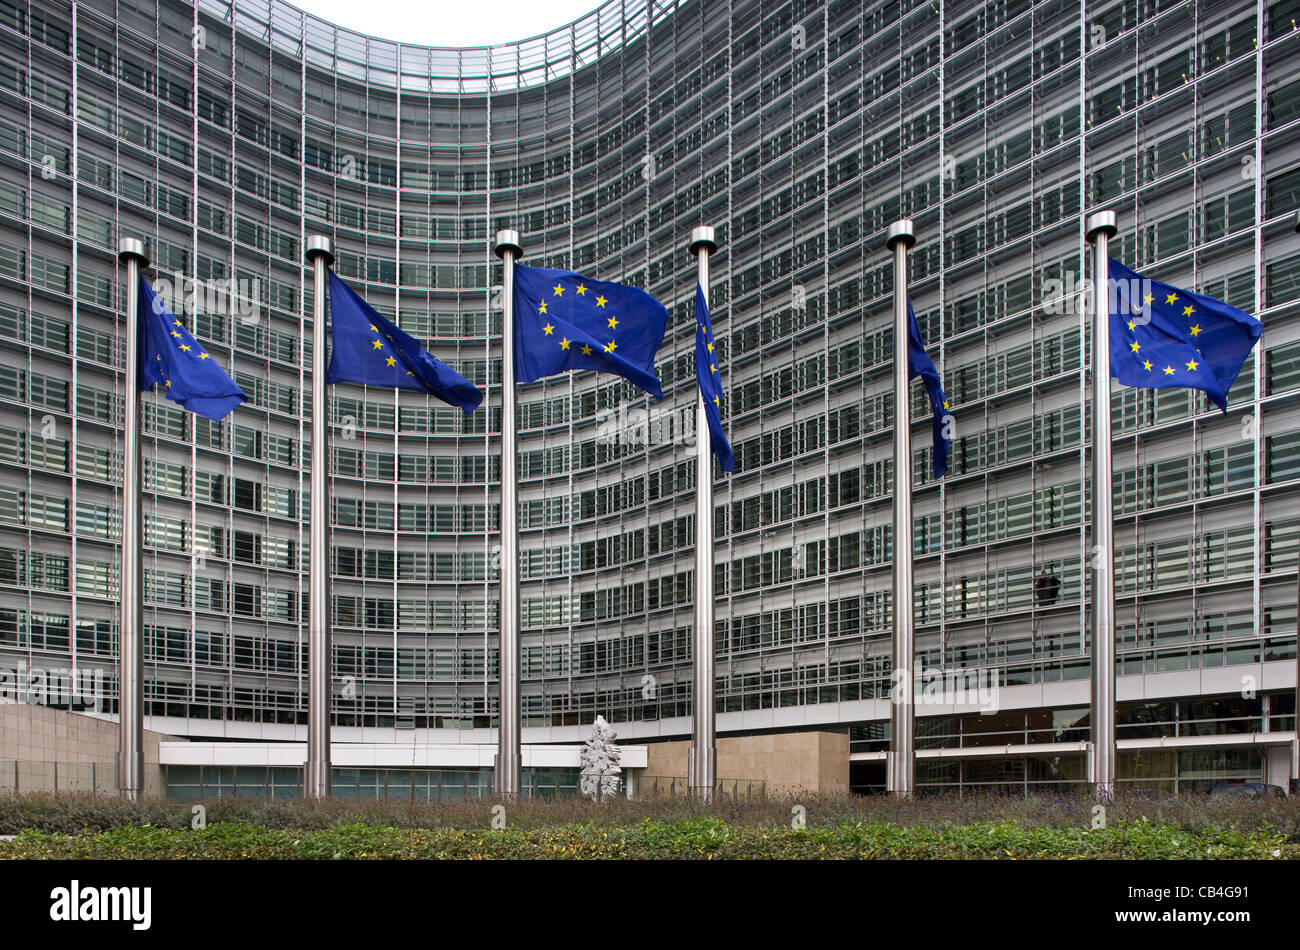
(225, 133)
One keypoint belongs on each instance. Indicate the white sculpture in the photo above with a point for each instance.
(599, 758)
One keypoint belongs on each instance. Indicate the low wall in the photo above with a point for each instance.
(786, 762)
(46, 750)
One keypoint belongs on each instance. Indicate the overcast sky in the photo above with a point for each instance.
(450, 22)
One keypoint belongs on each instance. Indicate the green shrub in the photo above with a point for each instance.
(943, 825)
(699, 838)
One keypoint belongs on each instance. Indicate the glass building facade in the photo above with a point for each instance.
(225, 133)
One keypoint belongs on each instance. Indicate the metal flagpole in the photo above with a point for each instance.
(318, 773)
(1100, 228)
(130, 628)
(509, 764)
(901, 776)
(702, 766)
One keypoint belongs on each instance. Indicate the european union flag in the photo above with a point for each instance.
(566, 321)
(706, 370)
(920, 364)
(1163, 337)
(367, 348)
(171, 357)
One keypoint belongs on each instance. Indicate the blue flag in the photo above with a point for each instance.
(706, 370)
(566, 321)
(920, 364)
(373, 350)
(1163, 337)
(171, 357)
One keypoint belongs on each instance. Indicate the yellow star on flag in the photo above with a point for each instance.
(564, 343)
(548, 328)
(1196, 328)
(1147, 364)
(1135, 346)
(1187, 311)
(542, 308)
(378, 344)
(613, 323)
(559, 290)
(185, 347)
(390, 361)
(1169, 371)
(1192, 364)
(581, 289)
(175, 334)
(203, 356)
(1171, 298)
(611, 347)
(600, 301)
(586, 350)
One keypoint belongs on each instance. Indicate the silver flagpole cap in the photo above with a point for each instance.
(703, 239)
(132, 247)
(1101, 222)
(901, 232)
(507, 241)
(318, 245)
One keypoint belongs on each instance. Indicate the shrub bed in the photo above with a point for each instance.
(700, 838)
(74, 814)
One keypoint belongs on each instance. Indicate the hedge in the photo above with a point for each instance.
(700, 838)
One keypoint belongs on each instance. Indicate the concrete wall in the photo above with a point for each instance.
(40, 746)
(1277, 766)
(786, 762)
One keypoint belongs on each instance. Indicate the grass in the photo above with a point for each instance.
(837, 827)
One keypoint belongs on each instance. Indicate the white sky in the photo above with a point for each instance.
(450, 22)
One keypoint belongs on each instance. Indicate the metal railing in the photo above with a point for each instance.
(22, 776)
(737, 789)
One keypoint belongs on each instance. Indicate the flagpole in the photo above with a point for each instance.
(509, 765)
(1100, 228)
(317, 776)
(703, 763)
(901, 777)
(130, 690)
